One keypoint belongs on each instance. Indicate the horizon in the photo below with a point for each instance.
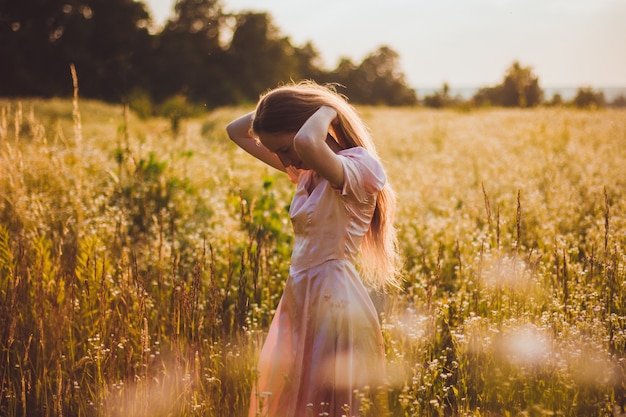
(567, 92)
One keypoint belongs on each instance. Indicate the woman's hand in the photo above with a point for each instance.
(310, 144)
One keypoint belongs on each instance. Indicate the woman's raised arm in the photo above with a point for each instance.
(313, 145)
(239, 132)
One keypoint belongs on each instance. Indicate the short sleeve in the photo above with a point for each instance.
(363, 175)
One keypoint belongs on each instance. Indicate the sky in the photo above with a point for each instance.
(465, 43)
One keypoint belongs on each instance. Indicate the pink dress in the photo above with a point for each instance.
(324, 341)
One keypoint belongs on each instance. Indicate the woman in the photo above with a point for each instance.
(324, 353)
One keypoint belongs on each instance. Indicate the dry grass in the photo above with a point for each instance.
(139, 269)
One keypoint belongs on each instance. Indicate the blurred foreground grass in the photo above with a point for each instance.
(139, 267)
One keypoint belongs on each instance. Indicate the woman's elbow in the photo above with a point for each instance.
(302, 142)
(235, 131)
(230, 130)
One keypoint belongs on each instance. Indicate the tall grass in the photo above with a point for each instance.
(140, 267)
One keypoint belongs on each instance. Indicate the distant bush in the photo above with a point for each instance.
(619, 101)
(442, 98)
(140, 102)
(587, 97)
(557, 100)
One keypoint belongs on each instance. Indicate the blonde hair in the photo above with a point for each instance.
(285, 109)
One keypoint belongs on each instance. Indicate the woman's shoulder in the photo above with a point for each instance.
(361, 167)
(361, 155)
(358, 152)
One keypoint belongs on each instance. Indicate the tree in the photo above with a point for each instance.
(342, 74)
(108, 41)
(188, 56)
(619, 101)
(557, 100)
(41, 38)
(29, 30)
(260, 57)
(487, 96)
(377, 80)
(441, 98)
(308, 65)
(587, 97)
(519, 88)
(119, 60)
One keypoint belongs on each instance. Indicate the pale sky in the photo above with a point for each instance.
(466, 43)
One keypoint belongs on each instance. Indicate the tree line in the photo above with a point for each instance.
(202, 56)
(520, 88)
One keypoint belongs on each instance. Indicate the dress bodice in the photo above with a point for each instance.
(328, 222)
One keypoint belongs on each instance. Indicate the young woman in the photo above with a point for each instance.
(324, 353)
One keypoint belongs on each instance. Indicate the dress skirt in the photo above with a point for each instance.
(324, 353)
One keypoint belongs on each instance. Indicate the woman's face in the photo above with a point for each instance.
(282, 145)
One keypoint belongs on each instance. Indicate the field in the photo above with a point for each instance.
(140, 265)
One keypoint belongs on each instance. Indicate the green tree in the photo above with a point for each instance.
(308, 62)
(587, 97)
(41, 38)
(441, 98)
(29, 31)
(188, 56)
(260, 57)
(118, 59)
(487, 96)
(108, 41)
(377, 80)
(557, 100)
(342, 74)
(519, 88)
(619, 101)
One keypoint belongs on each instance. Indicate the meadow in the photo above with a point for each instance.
(140, 266)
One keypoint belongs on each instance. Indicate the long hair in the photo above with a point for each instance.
(285, 109)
